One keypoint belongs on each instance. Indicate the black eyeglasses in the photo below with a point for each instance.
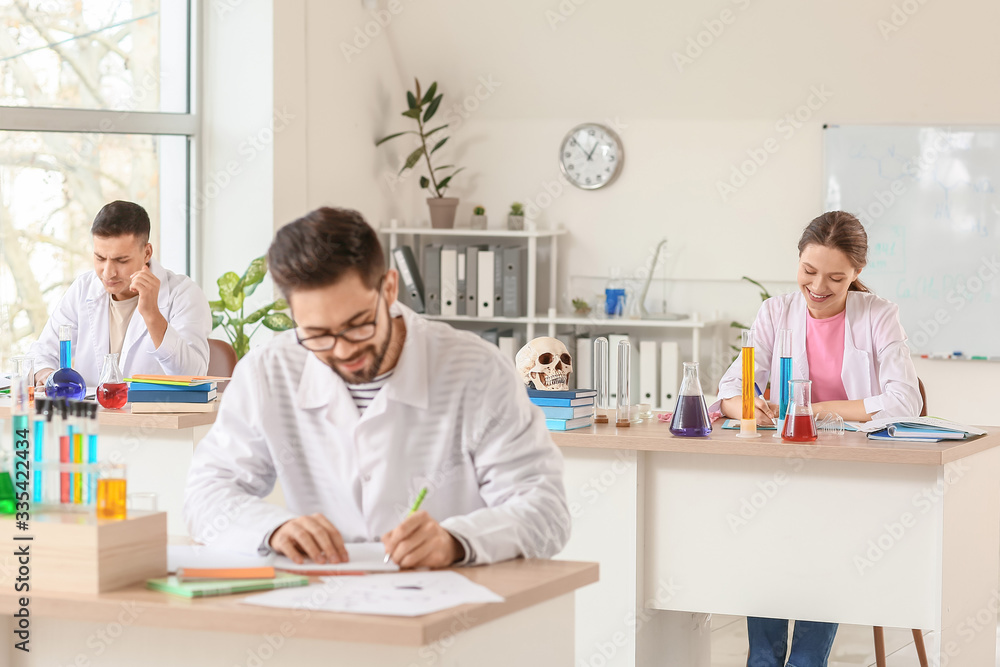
(355, 334)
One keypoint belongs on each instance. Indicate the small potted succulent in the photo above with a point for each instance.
(421, 108)
(581, 307)
(515, 219)
(478, 220)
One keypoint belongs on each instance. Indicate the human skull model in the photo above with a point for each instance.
(545, 364)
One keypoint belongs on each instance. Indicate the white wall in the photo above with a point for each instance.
(554, 64)
(248, 108)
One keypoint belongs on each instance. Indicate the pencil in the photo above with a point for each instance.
(413, 510)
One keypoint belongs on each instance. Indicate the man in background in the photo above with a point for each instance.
(156, 320)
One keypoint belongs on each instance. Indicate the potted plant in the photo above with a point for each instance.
(581, 307)
(227, 312)
(421, 107)
(478, 220)
(515, 219)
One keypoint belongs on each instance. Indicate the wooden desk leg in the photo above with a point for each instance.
(970, 546)
(675, 639)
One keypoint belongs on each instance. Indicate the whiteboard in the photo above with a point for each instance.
(928, 199)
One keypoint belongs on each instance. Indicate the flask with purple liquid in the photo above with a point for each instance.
(690, 418)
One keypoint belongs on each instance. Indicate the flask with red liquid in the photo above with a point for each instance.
(112, 392)
(800, 422)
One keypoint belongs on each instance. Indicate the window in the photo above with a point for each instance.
(94, 106)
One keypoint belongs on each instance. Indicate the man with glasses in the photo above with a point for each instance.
(359, 409)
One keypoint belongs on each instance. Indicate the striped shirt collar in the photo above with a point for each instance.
(410, 382)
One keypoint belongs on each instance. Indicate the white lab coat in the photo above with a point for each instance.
(877, 365)
(85, 307)
(453, 416)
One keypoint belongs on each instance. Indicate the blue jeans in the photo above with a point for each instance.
(811, 642)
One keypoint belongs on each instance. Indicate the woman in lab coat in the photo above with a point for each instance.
(850, 343)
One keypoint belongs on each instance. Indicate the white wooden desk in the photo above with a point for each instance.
(845, 530)
(135, 626)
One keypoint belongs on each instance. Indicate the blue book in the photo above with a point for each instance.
(567, 424)
(884, 435)
(568, 413)
(149, 386)
(562, 402)
(147, 396)
(903, 431)
(572, 393)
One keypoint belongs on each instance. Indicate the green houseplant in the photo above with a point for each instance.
(228, 312)
(515, 219)
(421, 107)
(478, 220)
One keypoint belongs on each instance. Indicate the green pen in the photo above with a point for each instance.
(413, 510)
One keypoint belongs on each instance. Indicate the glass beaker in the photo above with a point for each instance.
(690, 418)
(111, 491)
(800, 422)
(112, 392)
(614, 294)
(66, 382)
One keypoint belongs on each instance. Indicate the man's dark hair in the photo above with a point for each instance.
(120, 218)
(319, 248)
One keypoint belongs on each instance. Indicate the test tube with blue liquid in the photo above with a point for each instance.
(91, 431)
(784, 343)
(43, 412)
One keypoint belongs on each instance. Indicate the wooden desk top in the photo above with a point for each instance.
(124, 417)
(654, 436)
(521, 582)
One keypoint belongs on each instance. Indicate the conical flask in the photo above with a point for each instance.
(66, 382)
(112, 392)
(690, 419)
(800, 422)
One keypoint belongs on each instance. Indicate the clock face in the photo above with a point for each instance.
(591, 156)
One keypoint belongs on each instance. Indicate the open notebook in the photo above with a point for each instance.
(364, 557)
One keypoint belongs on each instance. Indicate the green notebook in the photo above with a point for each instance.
(208, 587)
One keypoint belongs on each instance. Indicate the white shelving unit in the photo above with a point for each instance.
(534, 319)
(532, 236)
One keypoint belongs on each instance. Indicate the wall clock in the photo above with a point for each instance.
(591, 156)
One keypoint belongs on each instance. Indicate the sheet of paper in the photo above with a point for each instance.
(399, 594)
(364, 557)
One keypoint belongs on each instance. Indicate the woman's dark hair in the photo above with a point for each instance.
(120, 218)
(319, 248)
(840, 230)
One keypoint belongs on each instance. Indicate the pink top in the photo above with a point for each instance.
(825, 355)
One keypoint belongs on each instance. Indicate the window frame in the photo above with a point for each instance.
(110, 121)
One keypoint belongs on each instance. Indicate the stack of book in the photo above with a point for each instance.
(565, 410)
(157, 393)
